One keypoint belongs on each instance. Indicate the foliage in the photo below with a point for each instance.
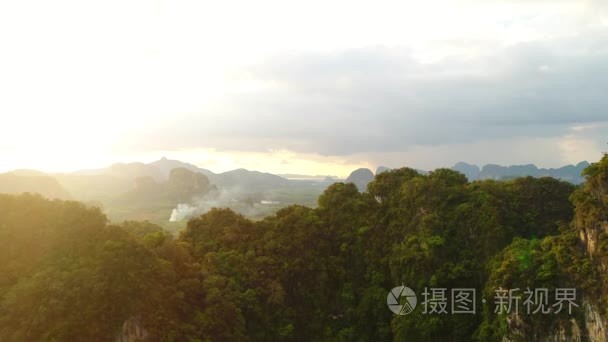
(302, 273)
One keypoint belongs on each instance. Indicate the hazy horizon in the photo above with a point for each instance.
(340, 176)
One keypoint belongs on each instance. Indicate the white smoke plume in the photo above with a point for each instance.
(243, 202)
(183, 211)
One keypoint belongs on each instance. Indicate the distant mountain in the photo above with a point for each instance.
(151, 191)
(165, 166)
(569, 173)
(125, 171)
(94, 187)
(248, 180)
(160, 170)
(239, 178)
(125, 183)
(469, 170)
(299, 176)
(183, 186)
(20, 181)
(360, 177)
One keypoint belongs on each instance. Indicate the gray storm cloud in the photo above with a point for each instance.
(384, 100)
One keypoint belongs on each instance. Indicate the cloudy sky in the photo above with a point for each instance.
(314, 87)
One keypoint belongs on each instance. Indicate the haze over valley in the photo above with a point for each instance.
(168, 191)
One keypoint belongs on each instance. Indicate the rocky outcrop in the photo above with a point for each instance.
(595, 324)
(469, 170)
(592, 328)
(360, 177)
(591, 220)
(569, 173)
(591, 236)
(569, 331)
(132, 331)
(184, 181)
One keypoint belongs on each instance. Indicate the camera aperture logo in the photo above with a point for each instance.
(401, 300)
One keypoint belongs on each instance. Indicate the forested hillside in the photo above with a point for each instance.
(310, 274)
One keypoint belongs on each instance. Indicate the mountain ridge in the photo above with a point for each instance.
(569, 173)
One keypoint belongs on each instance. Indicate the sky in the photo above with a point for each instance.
(305, 87)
